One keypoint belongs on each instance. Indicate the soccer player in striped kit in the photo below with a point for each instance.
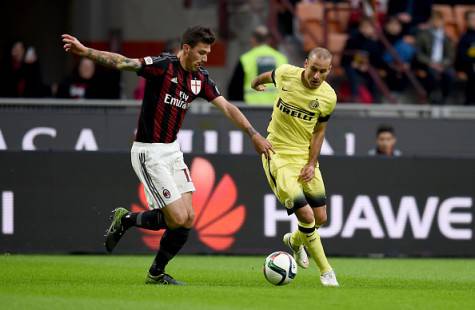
(172, 83)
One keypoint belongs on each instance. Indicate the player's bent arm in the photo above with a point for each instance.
(260, 80)
(234, 114)
(261, 145)
(112, 60)
(316, 143)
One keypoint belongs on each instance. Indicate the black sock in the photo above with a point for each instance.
(152, 220)
(172, 242)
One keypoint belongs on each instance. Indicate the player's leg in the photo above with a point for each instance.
(316, 197)
(278, 176)
(122, 219)
(311, 238)
(179, 216)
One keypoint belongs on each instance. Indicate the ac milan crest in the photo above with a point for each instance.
(195, 86)
(166, 193)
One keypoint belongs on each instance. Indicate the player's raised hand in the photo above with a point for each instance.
(307, 173)
(262, 146)
(72, 45)
(260, 87)
(256, 85)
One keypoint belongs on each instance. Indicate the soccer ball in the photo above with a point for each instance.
(280, 268)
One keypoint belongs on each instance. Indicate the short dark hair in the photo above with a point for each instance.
(384, 128)
(194, 35)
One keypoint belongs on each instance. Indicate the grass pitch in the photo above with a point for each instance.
(217, 282)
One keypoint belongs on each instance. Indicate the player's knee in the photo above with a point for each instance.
(305, 215)
(190, 220)
(178, 220)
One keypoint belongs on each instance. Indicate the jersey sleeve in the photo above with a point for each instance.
(278, 74)
(153, 66)
(210, 90)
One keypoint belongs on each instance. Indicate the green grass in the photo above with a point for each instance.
(217, 282)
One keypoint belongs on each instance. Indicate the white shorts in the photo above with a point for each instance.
(163, 172)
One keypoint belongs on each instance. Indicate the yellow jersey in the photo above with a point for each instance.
(297, 110)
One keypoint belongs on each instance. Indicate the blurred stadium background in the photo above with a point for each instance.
(64, 163)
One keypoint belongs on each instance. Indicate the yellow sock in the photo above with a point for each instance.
(312, 241)
(295, 239)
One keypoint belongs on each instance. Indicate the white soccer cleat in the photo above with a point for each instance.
(329, 279)
(299, 253)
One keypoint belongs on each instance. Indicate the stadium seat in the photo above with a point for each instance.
(338, 16)
(336, 44)
(310, 16)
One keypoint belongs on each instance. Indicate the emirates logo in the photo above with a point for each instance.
(217, 218)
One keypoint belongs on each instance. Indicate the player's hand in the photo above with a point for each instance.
(72, 45)
(307, 173)
(262, 146)
(260, 87)
(256, 86)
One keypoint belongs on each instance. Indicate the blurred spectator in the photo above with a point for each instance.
(466, 57)
(172, 46)
(259, 59)
(411, 13)
(435, 59)
(362, 49)
(392, 29)
(82, 84)
(20, 74)
(404, 46)
(285, 18)
(385, 142)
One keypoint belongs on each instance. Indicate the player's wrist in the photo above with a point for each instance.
(252, 132)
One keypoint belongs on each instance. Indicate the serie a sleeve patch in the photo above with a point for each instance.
(148, 60)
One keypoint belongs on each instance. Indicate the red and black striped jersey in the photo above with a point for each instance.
(169, 91)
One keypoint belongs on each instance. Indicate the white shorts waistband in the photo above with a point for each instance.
(174, 146)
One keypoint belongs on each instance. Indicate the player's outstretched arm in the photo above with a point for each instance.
(261, 144)
(259, 82)
(108, 59)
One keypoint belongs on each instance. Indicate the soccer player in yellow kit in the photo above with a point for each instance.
(301, 111)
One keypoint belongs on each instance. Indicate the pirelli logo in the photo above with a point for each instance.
(295, 111)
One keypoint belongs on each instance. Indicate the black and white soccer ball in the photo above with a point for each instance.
(280, 268)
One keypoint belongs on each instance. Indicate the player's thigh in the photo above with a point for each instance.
(156, 175)
(266, 165)
(135, 157)
(181, 175)
(287, 187)
(177, 213)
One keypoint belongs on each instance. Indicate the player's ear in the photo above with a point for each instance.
(305, 64)
(186, 49)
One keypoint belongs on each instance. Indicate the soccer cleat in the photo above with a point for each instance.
(162, 279)
(329, 279)
(116, 229)
(300, 255)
